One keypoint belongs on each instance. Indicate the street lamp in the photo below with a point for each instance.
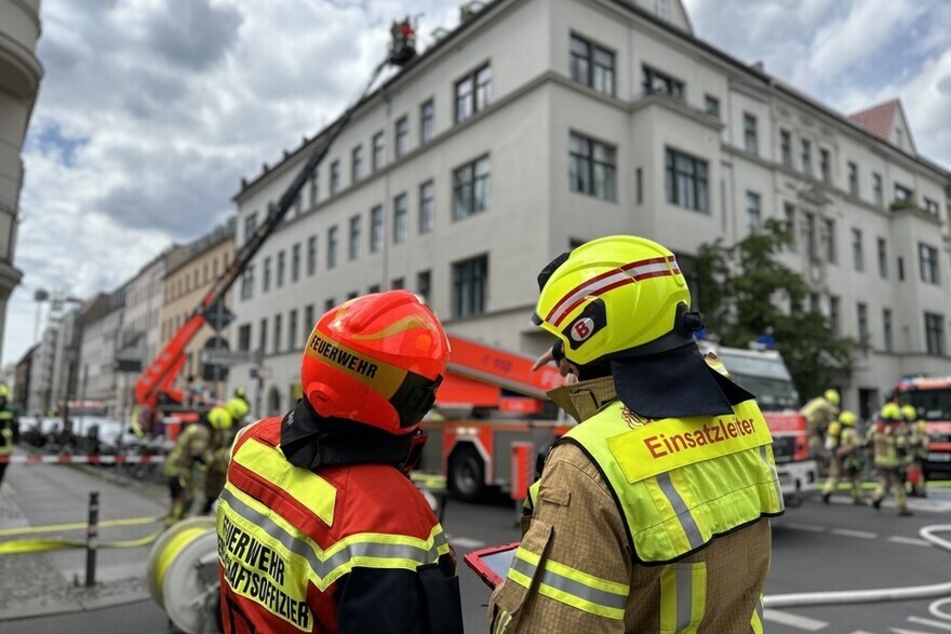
(39, 296)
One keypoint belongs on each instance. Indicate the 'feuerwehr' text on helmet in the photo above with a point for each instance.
(377, 360)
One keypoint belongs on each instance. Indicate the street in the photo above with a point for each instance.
(816, 548)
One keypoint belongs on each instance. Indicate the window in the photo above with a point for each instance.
(711, 105)
(400, 220)
(244, 338)
(354, 250)
(469, 285)
(309, 318)
(753, 213)
(334, 177)
(427, 121)
(277, 333)
(904, 194)
(686, 181)
(314, 189)
(639, 185)
(750, 140)
(262, 336)
(332, 247)
(250, 226)
(356, 164)
(887, 329)
(858, 258)
(295, 263)
(311, 255)
(352, 295)
(831, 253)
(806, 157)
(427, 207)
(931, 206)
(928, 261)
(877, 189)
(592, 65)
(789, 211)
(934, 333)
(473, 93)
(656, 81)
(811, 245)
(292, 330)
(882, 259)
(424, 285)
(298, 203)
(266, 280)
(862, 317)
(329, 303)
(376, 229)
(835, 303)
(247, 282)
(591, 168)
(280, 268)
(470, 187)
(378, 151)
(853, 179)
(901, 269)
(662, 9)
(373, 288)
(785, 147)
(397, 283)
(402, 136)
(814, 303)
(825, 167)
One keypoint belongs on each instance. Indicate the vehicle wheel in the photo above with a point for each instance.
(467, 474)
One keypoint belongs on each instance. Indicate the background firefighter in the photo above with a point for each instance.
(844, 446)
(819, 413)
(889, 441)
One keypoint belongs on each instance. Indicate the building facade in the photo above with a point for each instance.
(143, 308)
(100, 340)
(535, 126)
(20, 74)
(191, 271)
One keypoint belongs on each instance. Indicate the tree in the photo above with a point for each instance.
(745, 293)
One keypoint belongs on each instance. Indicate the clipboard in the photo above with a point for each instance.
(492, 564)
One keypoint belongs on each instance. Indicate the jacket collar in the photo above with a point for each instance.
(584, 399)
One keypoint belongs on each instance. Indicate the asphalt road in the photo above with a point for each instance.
(816, 548)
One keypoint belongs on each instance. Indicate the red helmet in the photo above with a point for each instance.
(377, 360)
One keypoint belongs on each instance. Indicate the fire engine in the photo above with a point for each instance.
(495, 417)
(932, 398)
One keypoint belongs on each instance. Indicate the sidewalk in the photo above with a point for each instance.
(53, 582)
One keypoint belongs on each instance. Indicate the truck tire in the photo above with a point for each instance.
(466, 474)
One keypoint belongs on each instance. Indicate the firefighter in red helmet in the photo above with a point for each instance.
(319, 527)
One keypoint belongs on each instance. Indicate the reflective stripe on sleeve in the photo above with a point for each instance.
(683, 599)
(571, 586)
(366, 550)
(756, 622)
(774, 474)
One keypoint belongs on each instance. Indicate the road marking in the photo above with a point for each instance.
(937, 624)
(914, 541)
(793, 620)
(805, 527)
(465, 542)
(847, 532)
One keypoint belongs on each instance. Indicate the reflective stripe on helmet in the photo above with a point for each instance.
(382, 377)
(627, 274)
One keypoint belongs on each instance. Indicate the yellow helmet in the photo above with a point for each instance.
(220, 418)
(237, 407)
(848, 418)
(4, 391)
(909, 413)
(618, 294)
(890, 411)
(832, 396)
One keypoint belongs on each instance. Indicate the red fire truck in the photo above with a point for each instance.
(932, 398)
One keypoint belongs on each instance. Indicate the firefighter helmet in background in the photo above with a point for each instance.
(890, 412)
(238, 407)
(220, 418)
(848, 418)
(376, 360)
(832, 396)
(615, 296)
(909, 413)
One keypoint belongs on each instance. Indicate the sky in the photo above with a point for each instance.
(151, 111)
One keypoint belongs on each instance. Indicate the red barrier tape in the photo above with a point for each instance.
(66, 459)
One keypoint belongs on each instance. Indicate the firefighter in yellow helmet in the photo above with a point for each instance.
(642, 508)
(820, 412)
(216, 469)
(889, 440)
(917, 448)
(844, 446)
(189, 462)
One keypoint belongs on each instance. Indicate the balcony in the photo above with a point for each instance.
(20, 70)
